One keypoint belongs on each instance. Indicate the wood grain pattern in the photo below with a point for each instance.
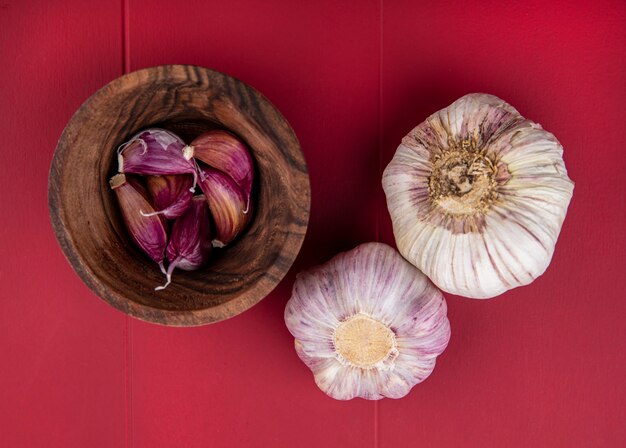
(188, 100)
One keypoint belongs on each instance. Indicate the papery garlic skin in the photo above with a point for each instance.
(145, 228)
(171, 193)
(223, 151)
(155, 151)
(477, 195)
(189, 246)
(230, 208)
(367, 324)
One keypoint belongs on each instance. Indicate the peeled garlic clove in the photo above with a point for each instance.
(190, 239)
(146, 230)
(153, 152)
(477, 195)
(228, 204)
(225, 152)
(170, 193)
(367, 324)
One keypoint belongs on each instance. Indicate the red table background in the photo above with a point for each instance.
(540, 366)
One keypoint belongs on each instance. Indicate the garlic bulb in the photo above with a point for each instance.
(367, 323)
(477, 195)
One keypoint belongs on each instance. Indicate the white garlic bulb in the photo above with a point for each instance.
(477, 195)
(367, 323)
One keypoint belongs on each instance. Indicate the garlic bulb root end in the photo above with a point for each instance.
(477, 196)
(363, 342)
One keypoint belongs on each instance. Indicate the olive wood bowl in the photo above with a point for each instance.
(187, 100)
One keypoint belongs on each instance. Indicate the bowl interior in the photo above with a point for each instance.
(186, 100)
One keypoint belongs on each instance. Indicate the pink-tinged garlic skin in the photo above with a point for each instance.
(375, 285)
(153, 152)
(230, 208)
(171, 193)
(477, 195)
(190, 239)
(225, 152)
(148, 232)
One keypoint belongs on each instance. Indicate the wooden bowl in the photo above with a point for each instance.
(186, 100)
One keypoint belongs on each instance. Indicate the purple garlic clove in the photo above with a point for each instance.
(190, 240)
(146, 229)
(154, 152)
(229, 205)
(225, 152)
(171, 193)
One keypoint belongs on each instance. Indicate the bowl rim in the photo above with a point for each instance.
(147, 313)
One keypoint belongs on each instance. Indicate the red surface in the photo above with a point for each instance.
(542, 365)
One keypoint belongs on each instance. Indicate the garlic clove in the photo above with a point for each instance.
(477, 196)
(335, 379)
(153, 152)
(411, 369)
(230, 208)
(190, 239)
(146, 230)
(225, 152)
(367, 323)
(171, 193)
